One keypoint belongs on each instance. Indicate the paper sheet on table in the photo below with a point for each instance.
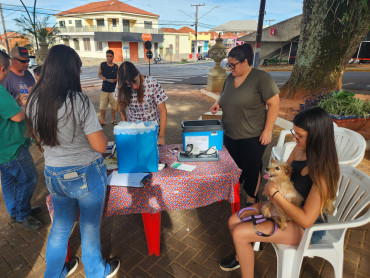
(126, 179)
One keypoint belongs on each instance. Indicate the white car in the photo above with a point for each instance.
(32, 63)
(223, 63)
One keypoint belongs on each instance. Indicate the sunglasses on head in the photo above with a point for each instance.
(22, 61)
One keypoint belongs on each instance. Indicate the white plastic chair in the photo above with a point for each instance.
(350, 146)
(353, 198)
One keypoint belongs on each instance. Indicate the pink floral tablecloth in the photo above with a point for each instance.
(172, 189)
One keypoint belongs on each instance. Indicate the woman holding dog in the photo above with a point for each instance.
(315, 175)
(247, 124)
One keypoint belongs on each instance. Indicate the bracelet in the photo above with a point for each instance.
(272, 197)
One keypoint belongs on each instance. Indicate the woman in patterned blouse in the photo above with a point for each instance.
(143, 97)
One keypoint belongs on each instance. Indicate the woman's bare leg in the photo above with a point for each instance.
(244, 234)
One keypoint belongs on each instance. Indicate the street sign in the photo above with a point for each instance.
(146, 37)
(148, 45)
(149, 54)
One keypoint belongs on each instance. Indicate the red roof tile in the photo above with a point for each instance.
(186, 30)
(169, 30)
(105, 6)
(228, 35)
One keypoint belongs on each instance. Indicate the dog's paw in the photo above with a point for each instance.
(266, 210)
(281, 224)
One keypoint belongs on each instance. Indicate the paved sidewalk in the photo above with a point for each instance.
(192, 241)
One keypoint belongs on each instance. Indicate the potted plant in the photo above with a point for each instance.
(345, 109)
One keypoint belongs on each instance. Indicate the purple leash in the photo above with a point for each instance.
(256, 219)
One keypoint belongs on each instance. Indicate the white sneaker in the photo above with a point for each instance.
(114, 267)
(71, 266)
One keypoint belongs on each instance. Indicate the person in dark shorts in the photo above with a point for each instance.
(108, 73)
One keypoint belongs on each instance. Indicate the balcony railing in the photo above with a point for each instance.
(121, 28)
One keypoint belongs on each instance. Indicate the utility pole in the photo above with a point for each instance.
(196, 30)
(269, 21)
(259, 34)
(5, 35)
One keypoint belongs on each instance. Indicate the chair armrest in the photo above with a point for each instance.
(306, 238)
(282, 136)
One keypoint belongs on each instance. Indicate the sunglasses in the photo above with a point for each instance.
(293, 133)
(232, 66)
(22, 61)
(133, 82)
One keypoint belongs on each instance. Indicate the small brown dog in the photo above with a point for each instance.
(280, 174)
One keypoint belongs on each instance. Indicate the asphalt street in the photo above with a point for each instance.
(196, 74)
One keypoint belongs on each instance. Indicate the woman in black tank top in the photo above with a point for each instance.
(315, 176)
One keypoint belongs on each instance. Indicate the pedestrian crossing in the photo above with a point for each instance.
(88, 81)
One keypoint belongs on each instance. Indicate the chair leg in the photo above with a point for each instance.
(285, 263)
(336, 260)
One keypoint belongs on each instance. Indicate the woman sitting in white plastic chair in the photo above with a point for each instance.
(315, 176)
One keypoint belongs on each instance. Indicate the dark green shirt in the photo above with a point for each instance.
(244, 108)
(12, 135)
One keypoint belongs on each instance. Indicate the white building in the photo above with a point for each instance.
(93, 28)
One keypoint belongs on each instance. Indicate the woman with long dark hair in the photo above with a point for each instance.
(65, 122)
(315, 176)
(247, 123)
(143, 97)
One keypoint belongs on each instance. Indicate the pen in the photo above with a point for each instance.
(171, 151)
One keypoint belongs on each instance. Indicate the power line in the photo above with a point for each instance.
(270, 20)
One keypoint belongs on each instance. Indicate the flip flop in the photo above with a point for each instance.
(114, 123)
(102, 124)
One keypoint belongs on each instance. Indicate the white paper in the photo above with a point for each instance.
(126, 179)
(184, 167)
(202, 142)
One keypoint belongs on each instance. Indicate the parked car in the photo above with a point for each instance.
(223, 63)
(203, 56)
(32, 63)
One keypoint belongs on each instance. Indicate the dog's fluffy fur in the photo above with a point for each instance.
(280, 174)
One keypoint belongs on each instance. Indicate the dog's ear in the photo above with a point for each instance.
(273, 160)
(288, 170)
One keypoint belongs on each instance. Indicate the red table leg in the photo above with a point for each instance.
(236, 205)
(152, 227)
(68, 258)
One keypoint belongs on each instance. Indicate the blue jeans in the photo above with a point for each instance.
(18, 181)
(80, 187)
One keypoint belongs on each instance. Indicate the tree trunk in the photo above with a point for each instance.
(331, 31)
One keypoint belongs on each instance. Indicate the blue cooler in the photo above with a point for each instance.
(136, 145)
(203, 134)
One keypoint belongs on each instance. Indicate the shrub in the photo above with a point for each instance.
(339, 103)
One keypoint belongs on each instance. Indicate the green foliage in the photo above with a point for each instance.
(41, 28)
(345, 104)
(183, 60)
(350, 15)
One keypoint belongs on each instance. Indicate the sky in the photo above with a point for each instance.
(173, 13)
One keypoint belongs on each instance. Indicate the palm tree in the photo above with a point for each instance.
(39, 29)
(31, 22)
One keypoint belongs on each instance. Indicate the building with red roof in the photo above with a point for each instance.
(14, 39)
(93, 28)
